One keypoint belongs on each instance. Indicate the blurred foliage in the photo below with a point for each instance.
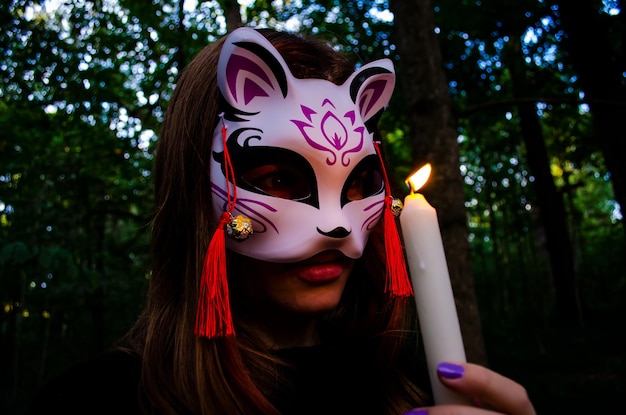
(82, 93)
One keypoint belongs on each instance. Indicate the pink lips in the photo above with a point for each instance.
(321, 268)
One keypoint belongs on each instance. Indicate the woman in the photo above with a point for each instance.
(276, 283)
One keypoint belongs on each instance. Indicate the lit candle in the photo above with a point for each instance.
(439, 324)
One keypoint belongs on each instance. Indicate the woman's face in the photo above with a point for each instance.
(306, 287)
(285, 291)
(283, 301)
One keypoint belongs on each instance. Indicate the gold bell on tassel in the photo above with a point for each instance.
(239, 228)
(396, 206)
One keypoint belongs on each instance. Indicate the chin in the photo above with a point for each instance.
(317, 303)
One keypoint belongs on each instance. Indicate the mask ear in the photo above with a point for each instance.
(250, 71)
(371, 88)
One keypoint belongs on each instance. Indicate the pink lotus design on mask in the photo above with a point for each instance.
(326, 131)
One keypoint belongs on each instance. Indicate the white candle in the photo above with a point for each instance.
(439, 324)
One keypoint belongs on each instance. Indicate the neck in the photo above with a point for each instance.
(288, 331)
(279, 329)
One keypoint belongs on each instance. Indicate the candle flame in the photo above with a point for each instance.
(419, 178)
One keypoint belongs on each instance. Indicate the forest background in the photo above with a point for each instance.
(519, 105)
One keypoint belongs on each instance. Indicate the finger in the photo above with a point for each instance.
(487, 386)
(451, 410)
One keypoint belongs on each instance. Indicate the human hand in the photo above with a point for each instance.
(491, 392)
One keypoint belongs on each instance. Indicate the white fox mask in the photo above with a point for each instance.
(305, 166)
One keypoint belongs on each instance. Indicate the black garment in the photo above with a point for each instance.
(322, 381)
(328, 381)
(106, 384)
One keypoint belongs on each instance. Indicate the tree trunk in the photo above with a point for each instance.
(180, 57)
(232, 14)
(552, 212)
(594, 45)
(434, 140)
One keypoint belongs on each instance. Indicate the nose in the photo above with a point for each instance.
(337, 233)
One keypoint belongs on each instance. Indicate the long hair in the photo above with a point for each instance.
(183, 374)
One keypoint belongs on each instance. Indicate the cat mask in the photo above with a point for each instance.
(303, 161)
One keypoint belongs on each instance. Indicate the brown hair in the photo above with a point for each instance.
(185, 374)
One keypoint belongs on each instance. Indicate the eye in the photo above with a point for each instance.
(276, 172)
(365, 184)
(364, 181)
(279, 180)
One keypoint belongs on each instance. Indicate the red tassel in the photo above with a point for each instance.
(397, 282)
(213, 317)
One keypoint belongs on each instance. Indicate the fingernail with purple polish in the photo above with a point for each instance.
(417, 412)
(450, 370)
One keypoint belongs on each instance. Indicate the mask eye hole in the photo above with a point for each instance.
(364, 181)
(365, 184)
(278, 180)
(276, 172)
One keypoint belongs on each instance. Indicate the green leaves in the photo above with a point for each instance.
(14, 253)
